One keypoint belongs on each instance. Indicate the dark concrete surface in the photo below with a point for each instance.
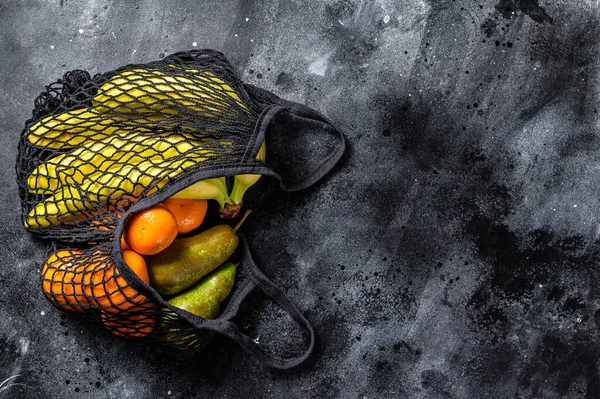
(453, 254)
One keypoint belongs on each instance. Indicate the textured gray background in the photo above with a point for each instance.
(453, 254)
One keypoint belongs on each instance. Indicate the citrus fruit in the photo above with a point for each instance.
(150, 231)
(189, 213)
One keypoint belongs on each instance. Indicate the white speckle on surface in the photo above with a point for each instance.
(247, 19)
(194, 44)
(23, 345)
(575, 206)
(80, 30)
(168, 392)
(319, 66)
(42, 313)
(52, 47)
(134, 50)
(386, 19)
(235, 35)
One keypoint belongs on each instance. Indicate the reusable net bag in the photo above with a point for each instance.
(99, 149)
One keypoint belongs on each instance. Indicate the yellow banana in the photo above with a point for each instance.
(191, 79)
(86, 160)
(73, 128)
(127, 147)
(241, 183)
(107, 187)
(108, 171)
(161, 98)
(152, 91)
(215, 189)
(66, 206)
(70, 129)
(134, 180)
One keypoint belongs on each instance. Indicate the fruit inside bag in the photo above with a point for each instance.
(179, 296)
(193, 273)
(124, 135)
(120, 172)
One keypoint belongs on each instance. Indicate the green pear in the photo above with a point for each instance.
(204, 299)
(189, 259)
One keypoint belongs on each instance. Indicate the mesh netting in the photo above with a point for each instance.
(89, 283)
(99, 148)
(97, 145)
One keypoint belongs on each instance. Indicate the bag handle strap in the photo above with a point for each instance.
(225, 325)
(277, 106)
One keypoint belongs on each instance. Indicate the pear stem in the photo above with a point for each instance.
(239, 224)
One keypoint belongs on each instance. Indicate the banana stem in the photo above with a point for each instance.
(240, 185)
(230, 211)
(222, 202)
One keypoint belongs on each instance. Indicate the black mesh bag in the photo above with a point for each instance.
(100, 149)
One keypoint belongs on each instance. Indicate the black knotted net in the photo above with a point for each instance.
(97, 145)
(100, 148)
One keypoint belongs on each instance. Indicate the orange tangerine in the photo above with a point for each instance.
(151, 231)
(189, 213)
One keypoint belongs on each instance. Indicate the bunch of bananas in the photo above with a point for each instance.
(137, 135)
